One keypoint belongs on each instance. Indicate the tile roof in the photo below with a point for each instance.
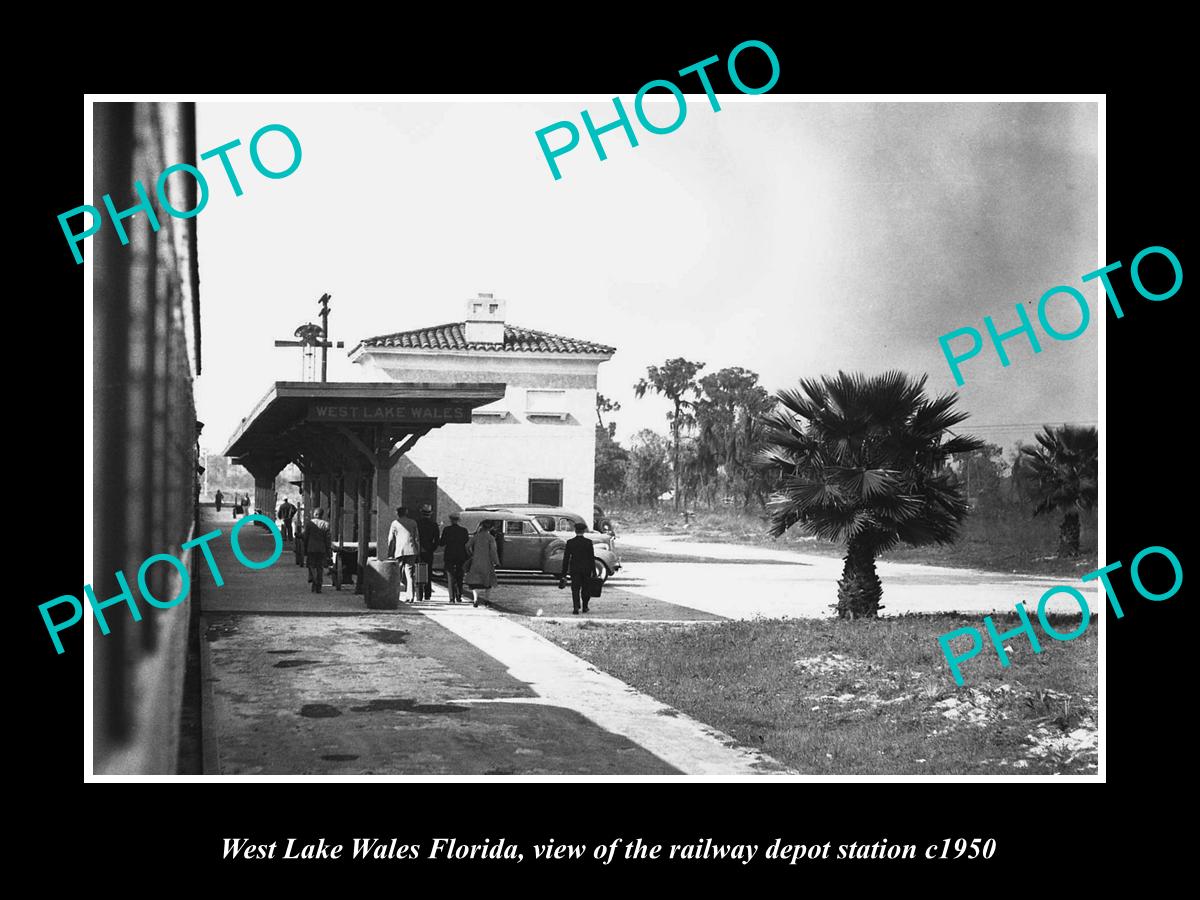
(516, 340)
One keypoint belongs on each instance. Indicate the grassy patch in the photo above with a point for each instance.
(1001, 539)
(831, 697)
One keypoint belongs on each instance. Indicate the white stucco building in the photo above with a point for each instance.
(537, 445)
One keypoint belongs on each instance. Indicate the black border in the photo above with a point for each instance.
(1148, 480)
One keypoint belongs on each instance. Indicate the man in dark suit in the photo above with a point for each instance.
(579, 561)
(317, 548)
(427, 539)
(285, 513)
(454, 538)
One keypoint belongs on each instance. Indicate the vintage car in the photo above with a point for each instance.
(533, 538)
(601, 522)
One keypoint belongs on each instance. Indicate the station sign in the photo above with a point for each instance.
(400, 412)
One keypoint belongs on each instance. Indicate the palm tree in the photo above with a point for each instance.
(675, 380)
(863, 462)
(1061, 474)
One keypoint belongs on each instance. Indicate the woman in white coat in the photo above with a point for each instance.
(482, 560)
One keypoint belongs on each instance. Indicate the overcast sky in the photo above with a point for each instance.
(790, 238)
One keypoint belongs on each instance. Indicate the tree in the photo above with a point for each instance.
(864, 463)
(648, 471)
(604, 405)
(700, 464)
(982, 473)
(674, 380)
(612, 461)
(729, 419)
(1062, 474)
(1022, 477)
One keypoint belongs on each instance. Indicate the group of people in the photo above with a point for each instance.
(470, 559)
(241, 503)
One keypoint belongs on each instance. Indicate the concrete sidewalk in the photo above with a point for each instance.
(299, 683)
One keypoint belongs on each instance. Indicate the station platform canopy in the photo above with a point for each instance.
(296, 420)
(343, 435)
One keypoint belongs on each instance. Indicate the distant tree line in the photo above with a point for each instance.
(708, 458)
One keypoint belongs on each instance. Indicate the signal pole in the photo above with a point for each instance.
(308, 338)
(324, 304)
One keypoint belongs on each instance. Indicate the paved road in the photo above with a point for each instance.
(742, 582)
(670, 577)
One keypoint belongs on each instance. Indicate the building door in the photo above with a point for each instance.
(415, 492)
(547, 491)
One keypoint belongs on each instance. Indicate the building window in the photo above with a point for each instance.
(546, 403)
(545, 491)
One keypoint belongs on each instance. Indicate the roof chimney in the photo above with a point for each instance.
(485, 320)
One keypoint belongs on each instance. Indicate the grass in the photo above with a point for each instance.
(832, 697)
(1002, 539)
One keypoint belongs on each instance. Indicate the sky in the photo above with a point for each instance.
(791, 238)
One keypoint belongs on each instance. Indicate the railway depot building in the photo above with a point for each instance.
(535, 445)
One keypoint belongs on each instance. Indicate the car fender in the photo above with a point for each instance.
(609, 558)
(552, 557)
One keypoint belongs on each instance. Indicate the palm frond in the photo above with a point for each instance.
(862, 458)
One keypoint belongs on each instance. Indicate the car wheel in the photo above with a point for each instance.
(600, 571)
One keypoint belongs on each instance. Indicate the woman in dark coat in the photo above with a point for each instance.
(482, 560)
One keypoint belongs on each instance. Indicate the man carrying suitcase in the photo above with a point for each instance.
(579, 561)
(403, 546)
(427, 537)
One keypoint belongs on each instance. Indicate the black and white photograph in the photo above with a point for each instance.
(526, 438)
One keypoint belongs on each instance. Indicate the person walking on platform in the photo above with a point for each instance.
(402, 546)
(299, 520)
(579, 561)
(219, 498)
(454, 538)
(286, 511)
(497, 529)
(247, 509)
(482, 560)
(427, 536)
(317, 547)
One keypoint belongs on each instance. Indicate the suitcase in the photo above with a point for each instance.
(595, 587)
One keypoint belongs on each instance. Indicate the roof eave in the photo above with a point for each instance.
(440, 351)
